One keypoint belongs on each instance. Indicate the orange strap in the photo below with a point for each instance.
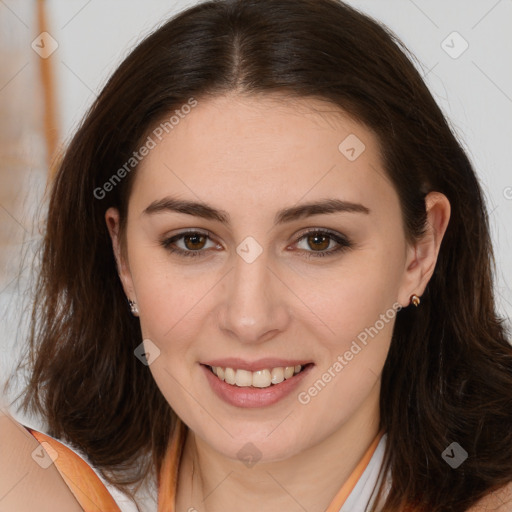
(169, 475)
(84, 483)
(168, 480)
(354, 477)
(93, 496)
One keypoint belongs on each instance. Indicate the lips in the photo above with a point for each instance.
(250, 396)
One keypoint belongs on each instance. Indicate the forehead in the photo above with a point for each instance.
(260, 152)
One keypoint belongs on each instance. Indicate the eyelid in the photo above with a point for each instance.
(307, 231)
(190, 231)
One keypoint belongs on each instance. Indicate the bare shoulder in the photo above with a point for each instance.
(497, 501)
(26, 485)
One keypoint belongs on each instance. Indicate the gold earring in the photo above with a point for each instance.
(415, 300)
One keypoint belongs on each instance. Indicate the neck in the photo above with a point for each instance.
(211, 482)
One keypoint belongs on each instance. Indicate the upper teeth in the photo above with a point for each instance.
(258, 379)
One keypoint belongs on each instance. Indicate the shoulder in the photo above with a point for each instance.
(28, 481)
(497, 501)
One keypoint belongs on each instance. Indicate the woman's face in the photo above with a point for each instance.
(297, 257)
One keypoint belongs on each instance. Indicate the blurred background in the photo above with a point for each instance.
(55, 56)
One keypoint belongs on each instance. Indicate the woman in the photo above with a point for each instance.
(259, 289)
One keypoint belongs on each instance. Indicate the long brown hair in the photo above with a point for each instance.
(448, 374)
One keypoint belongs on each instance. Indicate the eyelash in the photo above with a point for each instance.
(344, 243)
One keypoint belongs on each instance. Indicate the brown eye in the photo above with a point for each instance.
(318, 241)
(191, 243)
(195, 241)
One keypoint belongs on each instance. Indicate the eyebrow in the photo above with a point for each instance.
(205, 211)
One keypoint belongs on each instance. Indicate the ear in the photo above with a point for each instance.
(123, 268)
(422, 256)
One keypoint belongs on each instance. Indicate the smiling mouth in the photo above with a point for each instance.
(259, 379)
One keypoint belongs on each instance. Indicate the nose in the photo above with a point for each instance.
(254, 308)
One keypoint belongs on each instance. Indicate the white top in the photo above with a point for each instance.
(363, 496)
(146, 498)
(360, 499)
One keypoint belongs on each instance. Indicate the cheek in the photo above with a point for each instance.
(351, 296)
(171, 302)
(174, 299)
(358, 309)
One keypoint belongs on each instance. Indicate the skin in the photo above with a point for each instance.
(252, 156)
(26, 486)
